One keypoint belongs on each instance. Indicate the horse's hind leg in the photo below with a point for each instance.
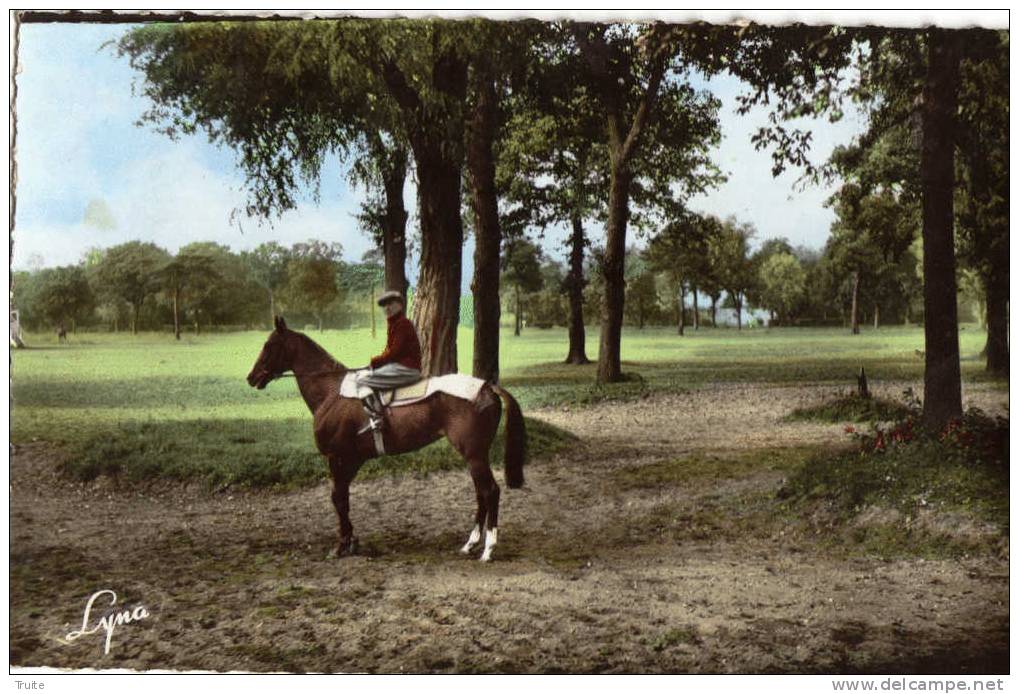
(488, 507)
(479, 522)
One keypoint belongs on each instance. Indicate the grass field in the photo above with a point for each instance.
(147, 405)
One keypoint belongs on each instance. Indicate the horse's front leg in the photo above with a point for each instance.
(343, 472)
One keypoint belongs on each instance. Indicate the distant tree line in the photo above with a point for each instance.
(705, 262)
(140, 286)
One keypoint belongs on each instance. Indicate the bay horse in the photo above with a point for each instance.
(469, 426)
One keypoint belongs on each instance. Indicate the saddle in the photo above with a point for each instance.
(458, 385)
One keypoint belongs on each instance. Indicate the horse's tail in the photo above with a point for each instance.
(516, 440)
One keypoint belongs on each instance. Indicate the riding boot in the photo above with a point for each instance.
(373, 405)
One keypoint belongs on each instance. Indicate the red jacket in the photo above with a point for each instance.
(402, 346)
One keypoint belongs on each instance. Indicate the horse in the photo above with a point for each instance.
(341, 435)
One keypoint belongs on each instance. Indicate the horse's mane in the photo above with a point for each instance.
(317, 349)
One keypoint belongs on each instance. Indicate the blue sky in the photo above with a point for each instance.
(88, 176)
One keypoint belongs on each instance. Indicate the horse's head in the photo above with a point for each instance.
(273, 360)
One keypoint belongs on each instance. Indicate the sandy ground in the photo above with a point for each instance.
(591, 575)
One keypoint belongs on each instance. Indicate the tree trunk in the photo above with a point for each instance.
(437, 296)
(320, 323)
(516, 311)
(681, 323)
(854, 313)
(624, 133)
(609, 356)
(371, 307)
(575, 292)
(272, 308)
(696, 311)
(134, 319)
(394, 239)
(439, 163)
(176, 313)
(738, 303)
(714, 309)
(996, 291)
(942, 379)
(488, 234)
(877, 316)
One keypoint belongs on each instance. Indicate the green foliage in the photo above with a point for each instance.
(910, 472)
(268, 265)
(130, 272)
(253, 454)
(730, 259)
(641, 290)
(782, 282)
(55, 296)
(674, 637)
(852, 408)
(522, 265)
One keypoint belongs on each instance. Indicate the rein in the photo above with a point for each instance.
(310, 373)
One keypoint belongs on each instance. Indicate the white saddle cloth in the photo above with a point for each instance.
(457, 385)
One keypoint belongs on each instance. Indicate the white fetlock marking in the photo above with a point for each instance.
(491, 538)
(472, 541)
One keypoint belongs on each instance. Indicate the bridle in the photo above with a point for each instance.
(282, 374)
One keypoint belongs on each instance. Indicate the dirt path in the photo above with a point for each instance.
(598, 570)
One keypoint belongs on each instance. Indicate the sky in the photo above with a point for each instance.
(88, 175)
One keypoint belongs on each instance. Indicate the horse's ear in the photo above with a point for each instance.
(281, 324)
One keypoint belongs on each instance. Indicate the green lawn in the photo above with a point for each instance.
(147, 405)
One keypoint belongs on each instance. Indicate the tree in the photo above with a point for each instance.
(63, 295)
(268, 266)
(730, 256)
(782, 282)
(680, 251)
(312, 276)
(131, 272)
(383, 215)
(501, 53)
(365, 276)
(871, 234)
(522, 271)
(640, 286)
(626, 70)
(982, 210)
(803, 72)
(551, 166)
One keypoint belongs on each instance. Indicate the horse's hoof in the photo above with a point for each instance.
(467, 549)
(344, 550)
(486, 557)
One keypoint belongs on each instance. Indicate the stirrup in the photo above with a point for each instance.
(373, 407)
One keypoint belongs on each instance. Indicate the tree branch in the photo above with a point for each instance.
(647, 104)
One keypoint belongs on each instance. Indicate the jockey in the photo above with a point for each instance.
(399, 364)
